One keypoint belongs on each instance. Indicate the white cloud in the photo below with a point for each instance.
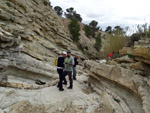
(109, 12)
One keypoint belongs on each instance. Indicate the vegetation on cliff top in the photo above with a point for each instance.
(116, 37)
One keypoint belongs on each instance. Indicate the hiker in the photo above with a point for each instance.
(111, 55)
(74, 67)
(60, 68)
(69, 62)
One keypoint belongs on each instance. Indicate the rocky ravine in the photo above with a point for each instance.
(31, 36)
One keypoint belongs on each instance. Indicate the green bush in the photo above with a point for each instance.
(46, 2)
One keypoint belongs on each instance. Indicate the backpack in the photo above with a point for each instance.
(56, 62)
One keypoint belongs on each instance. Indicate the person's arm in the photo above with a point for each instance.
(77, 62)
(72, 62)
(63, 63)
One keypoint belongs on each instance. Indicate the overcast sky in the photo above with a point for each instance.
(109, 12)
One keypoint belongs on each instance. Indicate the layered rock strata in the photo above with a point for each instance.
(31, 36)
(132, 88)
(140, 50)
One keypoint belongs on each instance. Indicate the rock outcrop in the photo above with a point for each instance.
(128, 86)
(141, 51)
(31, 36)
(127, 77)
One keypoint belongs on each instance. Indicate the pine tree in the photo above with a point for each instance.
(58, 10)
(70, 13)
(98, 42)
(88, 30)
(93, 24)
(74, 28)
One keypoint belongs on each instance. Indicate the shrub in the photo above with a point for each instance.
(114, 43)
(46, 2)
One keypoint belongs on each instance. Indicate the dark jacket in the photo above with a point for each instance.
(61, 62)
(75, 62)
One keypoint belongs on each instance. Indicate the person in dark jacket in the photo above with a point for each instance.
(74, 67)
(60, 68)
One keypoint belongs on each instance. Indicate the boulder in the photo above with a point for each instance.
(124, 59)
(139, 66)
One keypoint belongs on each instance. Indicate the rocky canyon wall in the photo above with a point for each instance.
(31, 36)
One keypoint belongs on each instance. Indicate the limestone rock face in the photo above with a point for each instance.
(31, 36)
(139, 66)
(125, 59)
(141, 51)
(121, 85)
(33, 28)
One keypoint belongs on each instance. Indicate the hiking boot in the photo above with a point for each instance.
(61, 89)
(69, 87)
(57, 86)
(74, 79)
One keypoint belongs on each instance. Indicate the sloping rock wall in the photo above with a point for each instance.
(31, 36)
(132, 88)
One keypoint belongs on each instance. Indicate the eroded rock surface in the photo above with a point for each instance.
(133, 89)
(141, 51)
(31, 36)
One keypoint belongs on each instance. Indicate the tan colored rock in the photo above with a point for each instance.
(113, 104)
(147, 61)
(112, 62)
(125, 59)
(139, 66)
(41, 30)
(26, 107)
(31, 36)
(121, 81)
(141, 51)
(112, 72)
(124, 50)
